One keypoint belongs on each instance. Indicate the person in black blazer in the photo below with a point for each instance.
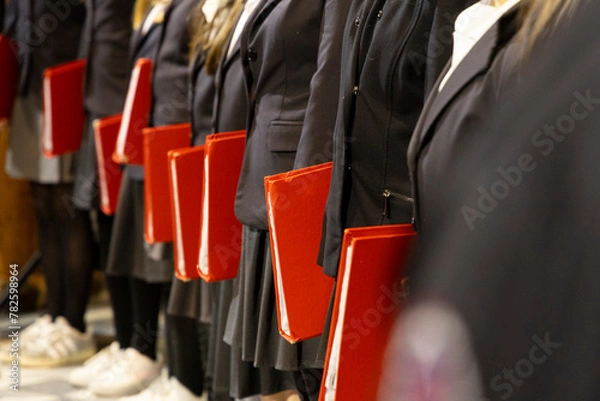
(189, 310)
(284, 53)
(47, 33)
(105, 46)
(137, 272)
(504, 172)
(230, 376)
(392, 50)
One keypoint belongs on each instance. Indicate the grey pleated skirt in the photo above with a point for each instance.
(24, 158)
(252, 321)
(85, 185)
(129, 254)
(191, 299)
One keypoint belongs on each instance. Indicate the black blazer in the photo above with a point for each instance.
(105, 44)
(170, 103)
(201, 98)
(47, 33)
(386, 67)
(504, 166)
(231, 101)
(279, 51)
(167, 44)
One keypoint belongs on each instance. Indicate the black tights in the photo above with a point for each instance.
(308, 383)
(187, 340)
(135, 304)
(67, 249)
(104, 225)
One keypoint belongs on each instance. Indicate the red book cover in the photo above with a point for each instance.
(369, 295)
(9, 76)
(129, 148)
(62, 108)
(185, 184)
(158, 141)
(220, 231)
(295, 207)
(109, 173)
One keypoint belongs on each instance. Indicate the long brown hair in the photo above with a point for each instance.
(211, 37)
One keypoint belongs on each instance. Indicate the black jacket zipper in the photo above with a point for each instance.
(387, 194)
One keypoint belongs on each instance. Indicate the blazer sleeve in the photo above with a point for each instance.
(316, 140)
(9, 18)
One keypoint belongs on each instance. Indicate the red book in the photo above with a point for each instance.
(129, 149)
(63, 112)
(296, 206)
(158, 141)
(109, 173)
(369, 294)
(221, 232)
(185, 183)
(9, 76)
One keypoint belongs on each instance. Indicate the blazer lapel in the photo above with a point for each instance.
(140, 38)
(475, 62)
(227, 58)
(255, 20)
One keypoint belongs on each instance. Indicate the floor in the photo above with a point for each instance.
(51, 384)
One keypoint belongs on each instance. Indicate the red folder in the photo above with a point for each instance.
(158, 141)
(9, 76)
(63, 111)
(296, 206)
(368, 296)
(109, 173)
(135, 115)
(220, 231)
(186, 168)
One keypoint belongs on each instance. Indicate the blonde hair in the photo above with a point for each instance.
(139, 11)
(541, 15)
(211, 38)
(141, 8)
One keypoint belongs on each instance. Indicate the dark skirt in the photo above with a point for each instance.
(190, 299)
(85, 185)
(129, 254)
(252, 321)
(230, 376)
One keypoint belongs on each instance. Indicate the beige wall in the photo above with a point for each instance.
(18, 233)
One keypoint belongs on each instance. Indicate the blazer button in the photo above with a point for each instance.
(380, 14)
(252, 55)
(357, 21)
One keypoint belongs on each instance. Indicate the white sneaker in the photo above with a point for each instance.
(57, 344)
(41, 327)
(164, 389)
(131, 374)
(158, 390)
(96, 365)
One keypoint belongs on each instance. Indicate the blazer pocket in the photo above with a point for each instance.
(284, 135)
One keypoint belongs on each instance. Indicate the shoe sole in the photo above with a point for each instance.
(33, 362)
(123, 393)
